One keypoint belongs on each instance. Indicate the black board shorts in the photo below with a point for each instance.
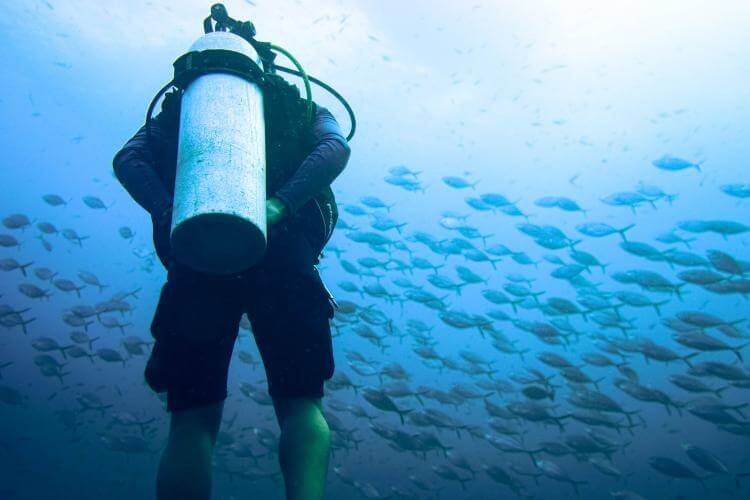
(197, 320)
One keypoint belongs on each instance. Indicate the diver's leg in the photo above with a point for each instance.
(196, 321)
(290, 314)
(304, 447)
(185, 467)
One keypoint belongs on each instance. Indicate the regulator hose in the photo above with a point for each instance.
(308, 93)
(333, 92)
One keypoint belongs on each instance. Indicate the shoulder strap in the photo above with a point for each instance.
(170, 106)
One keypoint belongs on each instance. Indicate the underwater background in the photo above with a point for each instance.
(541, 260)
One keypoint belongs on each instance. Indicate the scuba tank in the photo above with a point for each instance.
(219, 208)
(225, 80)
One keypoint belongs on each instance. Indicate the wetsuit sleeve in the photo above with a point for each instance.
(135, 168)
(324, 163)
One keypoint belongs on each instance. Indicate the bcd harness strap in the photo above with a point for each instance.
(193, 64)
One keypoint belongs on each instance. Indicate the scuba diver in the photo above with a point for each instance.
(287, 303)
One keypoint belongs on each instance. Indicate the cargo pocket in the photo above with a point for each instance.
(156, 371)
(330, 302)
(329, 305)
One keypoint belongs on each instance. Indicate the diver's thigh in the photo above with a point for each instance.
(197, 307)
(293, 335)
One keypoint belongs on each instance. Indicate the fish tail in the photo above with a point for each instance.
(24, 323)
(23, 267)
(737, 480)
(624, 229)
(737, 352)
(401, 414)
(628, 415)
(679, 406)
(560, 424)
(91, 343)
(678, 291)
(657, 304)
(739, 407)
(577, 483)
(686, 359)
(596, 382)
(702, 479)
(722, 389)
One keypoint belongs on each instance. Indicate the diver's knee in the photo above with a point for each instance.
(197, 423)
(304, 415)
(319, 426)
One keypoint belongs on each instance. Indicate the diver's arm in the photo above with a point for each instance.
(134, 168)
(326, 161)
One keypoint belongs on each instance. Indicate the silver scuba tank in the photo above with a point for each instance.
(219, 214)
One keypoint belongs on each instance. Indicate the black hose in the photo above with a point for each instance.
(150, 111)
(329, 89)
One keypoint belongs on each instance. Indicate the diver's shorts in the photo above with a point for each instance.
(197, 321)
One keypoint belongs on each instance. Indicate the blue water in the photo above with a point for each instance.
(572, 99)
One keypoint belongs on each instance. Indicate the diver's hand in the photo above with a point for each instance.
(275, 211)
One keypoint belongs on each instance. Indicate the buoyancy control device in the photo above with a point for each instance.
(219, 211)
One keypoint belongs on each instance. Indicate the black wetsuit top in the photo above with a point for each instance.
(148, 173)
